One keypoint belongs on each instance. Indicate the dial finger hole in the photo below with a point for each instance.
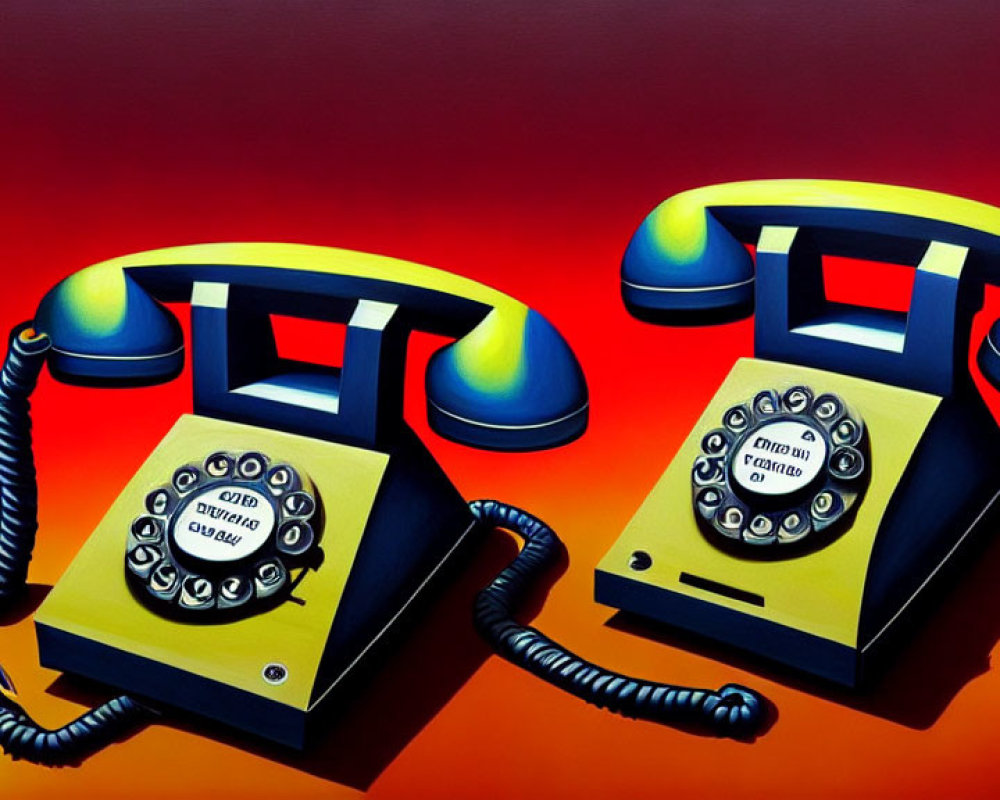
(826, 505)
(794, 525)
(736, 419)
(760, 531)
(708, 501)
(730, 521)
(761, 525)
(164, 579)
(234, 590)
(159, 502)
(185, 479)
(219, 465)
(197, 592)
(269, 577)
(251, 465)
(147, 530)
(827, 408)
(295, 538)
(847, 432)
(298, 504)
(282, 478)
(846, 463)
(707, 470)
(143, 558)
(765, 403)
(715, 443)
(797, 399)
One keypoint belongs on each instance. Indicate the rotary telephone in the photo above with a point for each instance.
(839, 473)
(276, 534)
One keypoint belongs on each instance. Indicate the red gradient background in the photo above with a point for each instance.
(518, 144)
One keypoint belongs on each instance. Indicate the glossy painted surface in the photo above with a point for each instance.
(519, 145)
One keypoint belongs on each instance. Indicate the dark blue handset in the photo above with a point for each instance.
(510, 382)
(686, 264)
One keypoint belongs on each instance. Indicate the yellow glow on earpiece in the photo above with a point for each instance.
(680, 226)
(491, 356)
(97, 296)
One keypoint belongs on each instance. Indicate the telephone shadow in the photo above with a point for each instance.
(407, 682)
(943, 646)
(25, 605)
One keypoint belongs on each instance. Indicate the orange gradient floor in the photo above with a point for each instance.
(518, 144)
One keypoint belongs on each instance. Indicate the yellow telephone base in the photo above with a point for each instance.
(390, 520)
(828, 611)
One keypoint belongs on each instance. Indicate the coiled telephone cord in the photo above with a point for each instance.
(18, 488)
(21, 736)
(732, 711)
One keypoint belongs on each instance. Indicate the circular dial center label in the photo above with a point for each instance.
(224, 523)
(779, 458)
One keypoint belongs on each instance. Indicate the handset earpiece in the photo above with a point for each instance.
(106, 330)
(683, 267)
(512, 383)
